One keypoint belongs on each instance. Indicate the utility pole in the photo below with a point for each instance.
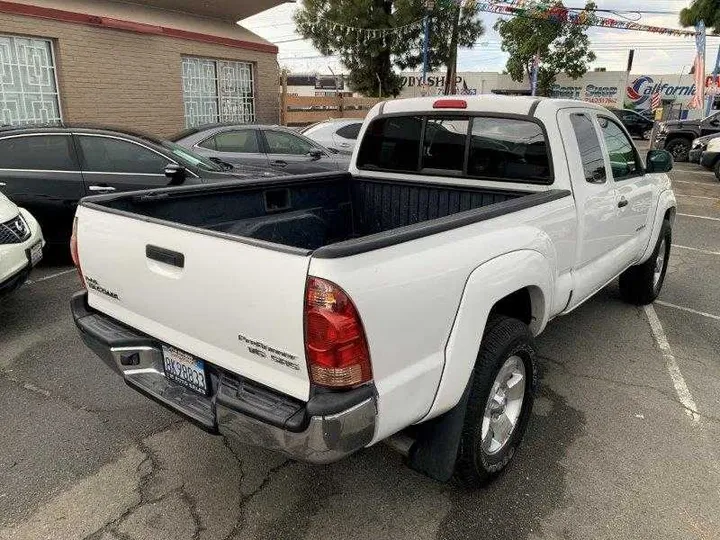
(452, 61)
(429, 5)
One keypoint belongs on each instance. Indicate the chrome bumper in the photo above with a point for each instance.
(326, 435)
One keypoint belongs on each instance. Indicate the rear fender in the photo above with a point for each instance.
(666, 201)
(488, 284)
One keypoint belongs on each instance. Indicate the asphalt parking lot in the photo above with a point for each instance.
(624, 442)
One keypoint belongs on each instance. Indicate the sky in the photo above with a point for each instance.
(654, 53)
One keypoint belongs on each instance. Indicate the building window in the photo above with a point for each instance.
(28, 87)
(217, 91)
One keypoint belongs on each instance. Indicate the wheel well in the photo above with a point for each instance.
(517, 305)
(679, 136)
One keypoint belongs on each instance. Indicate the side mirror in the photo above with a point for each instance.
(175, 173)
(659, 161)
(315, 154)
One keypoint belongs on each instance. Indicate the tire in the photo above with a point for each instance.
(717, 169)
(646, 134)
(679, 148)
(506, 342)
(641, 284)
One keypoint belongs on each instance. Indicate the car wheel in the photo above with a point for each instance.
(679, 148)
(641, 284)
(500, 401)
(646, 134)
(717, 169)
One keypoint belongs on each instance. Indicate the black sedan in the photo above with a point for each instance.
(636, 124)
(48, 170)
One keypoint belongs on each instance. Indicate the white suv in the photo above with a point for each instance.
(21, 244)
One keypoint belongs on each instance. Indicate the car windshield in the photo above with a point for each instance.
(191, 159)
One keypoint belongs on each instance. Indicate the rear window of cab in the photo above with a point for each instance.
(488, 147)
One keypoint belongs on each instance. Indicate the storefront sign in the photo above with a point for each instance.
(642, 88)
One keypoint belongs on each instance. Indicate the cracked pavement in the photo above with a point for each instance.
(609, 453)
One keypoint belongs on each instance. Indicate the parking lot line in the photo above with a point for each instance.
(51, 276)
(699, 217)
(705, 251)
(696, 183)
(689, 310)
(698, 197)
(681, 388)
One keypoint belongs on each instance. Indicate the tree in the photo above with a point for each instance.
(332, 26)
(706, 10)
(563, 47)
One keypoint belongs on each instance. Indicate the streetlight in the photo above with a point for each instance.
(429, 5)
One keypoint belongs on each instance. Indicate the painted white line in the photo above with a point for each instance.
(51, 276)
(699, 217)
(679, 383)
(710, 184)
(706, 251)
(689, 310)
(690, 171)
(698, 197)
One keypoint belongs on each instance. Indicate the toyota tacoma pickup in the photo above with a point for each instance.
(320, 314)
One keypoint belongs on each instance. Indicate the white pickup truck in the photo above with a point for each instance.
(320, 314)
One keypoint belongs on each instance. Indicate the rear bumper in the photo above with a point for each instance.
(325, 429)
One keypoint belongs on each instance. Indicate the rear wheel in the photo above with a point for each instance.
(679, 148)
(500, 401)
(641, 284)
(646, 134)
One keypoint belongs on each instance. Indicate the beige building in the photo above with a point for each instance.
(153, 65)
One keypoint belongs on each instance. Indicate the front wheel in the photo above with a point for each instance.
(641, 284)
(679, 148)
(500, 402)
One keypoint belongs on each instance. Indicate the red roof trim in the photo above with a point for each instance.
(129, 26)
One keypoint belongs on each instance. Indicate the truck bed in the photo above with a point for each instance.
(313, 212)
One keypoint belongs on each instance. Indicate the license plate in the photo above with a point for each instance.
(34, 253)
(185, 369)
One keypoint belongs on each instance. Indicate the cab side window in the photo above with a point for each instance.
(624, 160)
(589, 148)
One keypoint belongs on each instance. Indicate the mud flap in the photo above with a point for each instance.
(437, 441)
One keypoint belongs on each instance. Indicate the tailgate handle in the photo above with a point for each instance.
(167, 256)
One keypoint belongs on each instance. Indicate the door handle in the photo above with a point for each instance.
(279, 163)
(101, 189)
(344, 144)
(167, 256)
(622, 202)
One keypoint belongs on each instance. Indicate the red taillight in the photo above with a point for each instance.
(74, 251)
(335, 344)
(450, 104)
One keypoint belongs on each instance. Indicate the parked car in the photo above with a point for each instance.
(677, 136)
(21, 245)
(319, 315)
(280, 148)
(337, 134)
(48, 170)
(710, 158)
(635, 123)
(699, 146)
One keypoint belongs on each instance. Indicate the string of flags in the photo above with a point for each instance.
(548, 11)
(387, 35)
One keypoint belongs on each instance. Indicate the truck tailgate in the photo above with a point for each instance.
(231, 304)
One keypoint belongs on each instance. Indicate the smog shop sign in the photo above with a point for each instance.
(602, 95)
